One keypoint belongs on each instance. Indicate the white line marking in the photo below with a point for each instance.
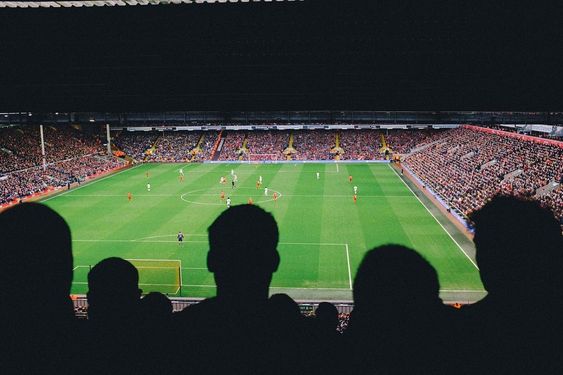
(464, 290)
(90, 183)
(155, 260)
(74, 269)
(172, 235)
(141, 284)
(215, 195)
(349, 271)
(272, 287)
(448, 233)
(196, 241)
(312, 243)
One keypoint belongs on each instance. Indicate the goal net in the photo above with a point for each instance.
(159, 275)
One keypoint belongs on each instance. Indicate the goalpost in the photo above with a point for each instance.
(159, 275)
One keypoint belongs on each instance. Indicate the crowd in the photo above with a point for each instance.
(21, 184)
(206, 146)
(399, 324)
(360, 144)
(135, 144)
(70, 156)
(20, 147)
(468, 167)
(174, 147)
(232, 145)
(314, 145)
(267, 145)
(403, 141)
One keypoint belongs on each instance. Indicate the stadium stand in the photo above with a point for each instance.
(467, 167)
(360, 144)
(206, 146)
(267, 145)
(174, 147)
(314, 145)
(21, 162)
(232, 145)
(464, 166)
(135, 144)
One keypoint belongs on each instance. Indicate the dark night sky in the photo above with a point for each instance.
(377, 55)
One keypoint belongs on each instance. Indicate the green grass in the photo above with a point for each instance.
(323, 234)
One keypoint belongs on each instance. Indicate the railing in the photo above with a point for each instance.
(178, 304)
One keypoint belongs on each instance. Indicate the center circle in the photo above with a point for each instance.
(269, 198)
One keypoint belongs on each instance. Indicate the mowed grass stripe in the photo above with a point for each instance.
(309, 211)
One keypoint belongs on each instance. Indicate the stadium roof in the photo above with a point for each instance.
(227, 55)
(111, 3)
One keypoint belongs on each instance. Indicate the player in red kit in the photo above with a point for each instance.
(129, 196)
(355, 198)
(250, 201)
(350, 178)
(222, 195)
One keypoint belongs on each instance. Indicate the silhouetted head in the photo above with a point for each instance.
(326, 315)
(156, 306)
(394, 278)
(284, 308)
(113, 290)
(243, 251)
(519, 246)
(36, 259)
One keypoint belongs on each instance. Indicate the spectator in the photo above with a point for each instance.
(236, 331)
(516, 327)
(38, 326)
(116, 340)
(399, 323)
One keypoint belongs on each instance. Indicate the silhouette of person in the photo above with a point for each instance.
(231, 332)
(38, 324)
(116, 340)
(326, 316)
(517, 326)
(113, 291)
(156, 307)
(399, 323)
(325, 349)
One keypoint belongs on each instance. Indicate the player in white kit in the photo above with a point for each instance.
(148, 187)
(228, 202)
(355, 189)
(266, 191)
(318, 175)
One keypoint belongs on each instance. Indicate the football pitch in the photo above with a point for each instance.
(323, 232)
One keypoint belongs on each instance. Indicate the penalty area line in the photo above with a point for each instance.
(349, 270)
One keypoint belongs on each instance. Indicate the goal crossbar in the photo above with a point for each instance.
(159, 273)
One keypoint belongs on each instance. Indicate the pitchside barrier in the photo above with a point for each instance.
(296, 161)
(453, 210)
(178, 304)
